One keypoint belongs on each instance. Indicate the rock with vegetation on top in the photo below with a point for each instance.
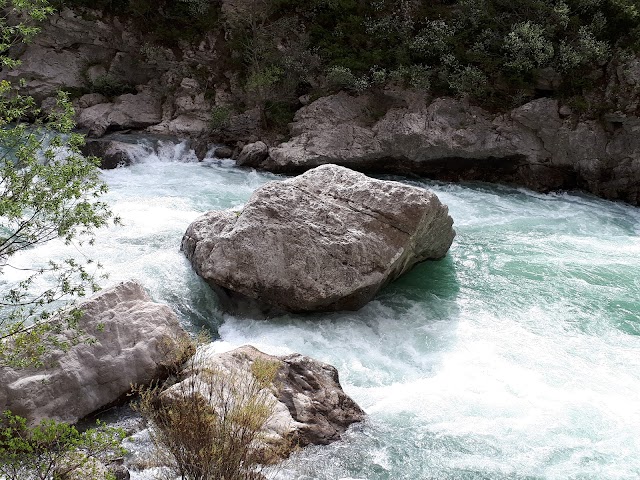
(307, 402)
(136, 340)
(326, 240)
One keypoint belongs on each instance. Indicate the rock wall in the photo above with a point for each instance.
(540, 145)
(121, 79)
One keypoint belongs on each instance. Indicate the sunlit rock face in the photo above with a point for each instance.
(135, 339)
(326, 240)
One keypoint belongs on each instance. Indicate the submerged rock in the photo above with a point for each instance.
(308, 404)
(326, 240)
(136, 339)
(112, 153)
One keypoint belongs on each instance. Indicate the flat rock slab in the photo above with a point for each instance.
(326, 240)
(135, 340)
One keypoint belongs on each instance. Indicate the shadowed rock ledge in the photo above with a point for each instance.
(539, 145)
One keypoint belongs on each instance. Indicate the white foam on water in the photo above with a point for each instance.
(517, 357)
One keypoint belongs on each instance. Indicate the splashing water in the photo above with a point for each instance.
(515, 357)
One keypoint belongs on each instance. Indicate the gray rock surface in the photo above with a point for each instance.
(253, 153)
(78, 51)
(326, 240)
(309, 405)
(139, 110)
(223, 152)
(136, 339)
(394, 131)
(533, 145)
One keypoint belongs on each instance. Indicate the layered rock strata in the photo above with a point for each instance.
(540, 145)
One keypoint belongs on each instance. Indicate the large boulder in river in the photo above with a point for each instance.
(306, 400)
(326, 240)
(136, 340)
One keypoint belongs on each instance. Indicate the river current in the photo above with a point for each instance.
(515, 357)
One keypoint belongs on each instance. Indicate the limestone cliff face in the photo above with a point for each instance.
(148, 86)
(542, 144)
(136, 340)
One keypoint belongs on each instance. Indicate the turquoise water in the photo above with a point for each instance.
(516, 357)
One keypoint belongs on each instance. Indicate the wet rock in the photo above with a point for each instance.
(223, 152)
(326, 240)
(136, 340)
(112, 153)
(253, 154)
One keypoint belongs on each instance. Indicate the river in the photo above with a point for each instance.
(515, 357)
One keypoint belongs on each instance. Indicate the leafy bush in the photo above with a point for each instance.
(220, 117)
(110, 86)
(527, 47)
(341, 77)
(490, 50)
(55, 450)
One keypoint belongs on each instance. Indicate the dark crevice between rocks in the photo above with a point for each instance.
(514, 170)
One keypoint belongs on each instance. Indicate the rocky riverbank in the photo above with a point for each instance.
(121, 80)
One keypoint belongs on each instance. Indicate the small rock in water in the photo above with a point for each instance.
(223, 152)
(254, 153)
(326, 240)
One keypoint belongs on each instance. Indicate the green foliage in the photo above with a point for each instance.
(12, 33)
(527, 47)
(279, 114)
(169, 21)
(47, 191)
(52, 450)
(341, 77)
(110, 86)
(220, 117)
(490, 50)
(212, 425)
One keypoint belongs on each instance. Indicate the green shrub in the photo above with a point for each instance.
(110, 86)
(279, 114)
(55, 450)
(340, 77)
(212, 427)
(220, 117)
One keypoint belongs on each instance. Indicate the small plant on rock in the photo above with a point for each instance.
(212, 425)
